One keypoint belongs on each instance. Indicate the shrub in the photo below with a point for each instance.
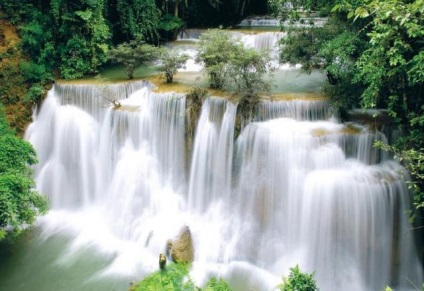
(173, 278)
(298, 281)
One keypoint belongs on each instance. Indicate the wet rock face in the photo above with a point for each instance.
(182, 250)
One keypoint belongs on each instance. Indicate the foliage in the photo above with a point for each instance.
(170, 22)
(15, 11)
(19, 202)
(68, 36)
(132, 55)
(216, 48)
(137, 19)
(298, 281)
(248, 68)
(215, 284)
(391, 67)
(171, 62)
(173, 278)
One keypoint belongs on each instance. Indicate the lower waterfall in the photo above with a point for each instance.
(296, 187)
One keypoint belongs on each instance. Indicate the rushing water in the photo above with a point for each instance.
(296, 187)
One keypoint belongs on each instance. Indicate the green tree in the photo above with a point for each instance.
(171, 62)
(298, 281)
(248, 68)
(216, 48)
(20, 203)
(132, 55)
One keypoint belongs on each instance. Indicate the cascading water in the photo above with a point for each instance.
(296, 187)
(308, 201)
(210, 178)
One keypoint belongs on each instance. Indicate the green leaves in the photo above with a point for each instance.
(175, 277)
(215, 284)
(19, 202)
(298, 281)
(137, 19)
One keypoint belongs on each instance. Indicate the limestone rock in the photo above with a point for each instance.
(182, 250)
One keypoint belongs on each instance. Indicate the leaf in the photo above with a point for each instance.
(85, 15)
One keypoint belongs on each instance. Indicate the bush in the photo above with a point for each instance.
(173, 278)
(215, 284)
(298, 281)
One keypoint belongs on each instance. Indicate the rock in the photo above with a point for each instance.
(162, 261)
(182, 250)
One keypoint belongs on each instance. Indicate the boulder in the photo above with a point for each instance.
(182, 250)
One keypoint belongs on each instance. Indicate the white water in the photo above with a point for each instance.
(299, 189)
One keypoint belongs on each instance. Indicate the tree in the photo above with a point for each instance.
(19, 202)
(248, 68)
(216, 48)
(132, 55)
(171, 62)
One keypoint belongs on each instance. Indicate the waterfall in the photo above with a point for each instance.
(296, 187)
(210, 177)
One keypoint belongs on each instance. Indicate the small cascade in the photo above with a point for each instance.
(254, 22)
(210, 177)
(276, 23)
(261, 41)
(295, 109)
